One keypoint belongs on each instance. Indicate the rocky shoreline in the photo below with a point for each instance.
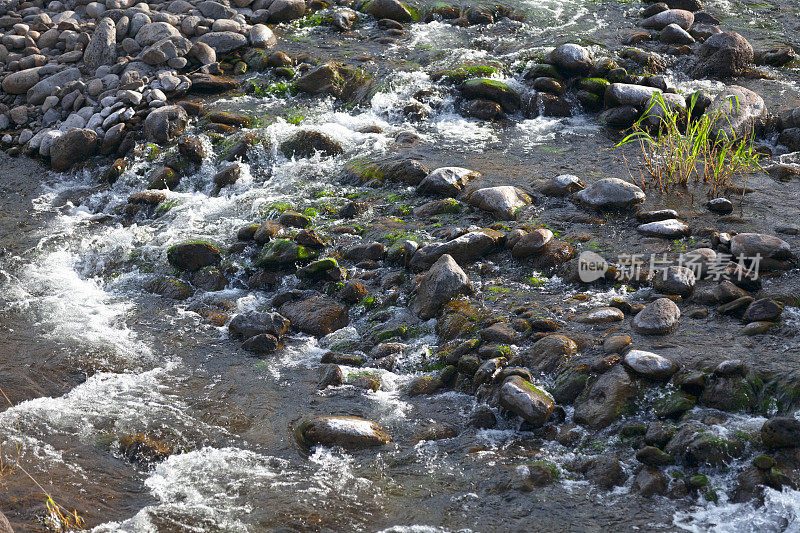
(112, 85)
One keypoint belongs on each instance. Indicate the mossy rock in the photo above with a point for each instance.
(364, 380)
(494, 90)
(461, 74)
(673, 405)
(593, 85)
(193, 255)
(317, 269)
(282, 253)
(543, 70)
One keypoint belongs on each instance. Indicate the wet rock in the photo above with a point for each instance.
(723, 55)
(606, 399)
(331, 377)
(530, 476)
(316, 315)
(657, 318)
(620, 117)
(729, 393)
(353, 292)
(193, 256)
(369, 250)
(694, 446)
(211, 84)
(720, 206)
(503, 201)
(306, 143)
(261, 36)
(464, 249)
(444, 281)
(321, 269)
(554, 255)
(611, 193)
(563, 185)
(141, 448)
(572, 59)
(493, 90)
(388, 9)
(283, 253)
(763, 310)
(605, 471)
(192, 149)
(526, 401)
(752, 244)
(674, 34)
(650, 482)
(678, 280)
(409, 171)
(284, 11)
(682, 18)
(261, 344)
(73, 147)
(667, 229)
(166, 123)
(532, 243)
(246, 325)
(483, 109)
(740, 111)
(548, 353)
(781, 432)
(601, 315)
(650, 365)
(423, 385)
(171, 288)
(653, 457)
(655, 216)
(349, 432)
(627, 94)
(446, 181)
(293, 219)
(209, 279)
(482, 417)
(616, 343)
(659, 433)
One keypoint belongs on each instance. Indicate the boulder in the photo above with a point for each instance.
(166, 123)
(525, 400)
(246, 325)
(224, 42)
(723, 55)
(446, 181)
(781, 432)
(464, 249)
(388, 9)
(306, 143)
(19, 82)
(317, 315)
(532, 243)
(193, 256)
(348, 432)
(628, 94)
(678, 280)
(73, 147)
(102, 48)
(153, 32)
(605, 400)
(494, 90)
(680, 17)
(650, 365)
(262, 37)
(571, 59)
(502, 201)
(657, 318)
(46, 86)
(611, 194)
(751, 244)
(763, 310)
(549, 353)
(444, 281)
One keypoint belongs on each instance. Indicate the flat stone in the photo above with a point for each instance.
(446, 181)
(667, 229)
(650, 365)
(349, 432)
(611, 193)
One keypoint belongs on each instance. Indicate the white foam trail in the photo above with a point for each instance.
(780, 513)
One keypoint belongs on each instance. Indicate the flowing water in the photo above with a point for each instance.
(90, 357)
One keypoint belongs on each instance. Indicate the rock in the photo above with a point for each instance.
(324, 79)
(723, 55)
(494, 90)
(483, 109)
(224, 42)
(571, 59)
(19, 82)
(207, 83)
(446, 181)
(653, 457)
(563, 185)
(611, 193)
(151, 33)
(616, 343)
(482, 417)
(526, 401)
(503, 201)
(388, 9)
(166, 123)
(102, 48)
(549, 353)
(532, 243)
(209, 279)
(605, 471)
(317, 315)
(781, 432)
(306, 143)
(678, 280)
(444, 281)
(601, 315)
(348, 432)
(650, 482)
(667, 229)
(763, 310)
(628, 94)
(752, 244)
(674, 34)
(72, 147)
(605, 400)
(650, 365)
(282, 253)
(694, 446)
(45, 87)
(682, 18)
(215, 10)
(5, 526)
(332, 376)
(464, 249)
(193, 256)
(657, 318)
(738, 112)
(246, 325)
(261, 344)
(286, 10)
(203, 54)
(720, 206)
(262, 37)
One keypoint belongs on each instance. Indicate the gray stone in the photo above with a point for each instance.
(262, 37)
(72, 147)
(165, 123)
(605, 400)
(522, 398)
(678, 280)
(444, 281)
(224, 41)
(723, 55)
(571, 59)
(153, 32)
(45, 87)
(611, 193)
(682, 18)
(657, 318)
(348, 432)
(102, 48)
(503, 201)
(650, 365)
(752, 244)
(19, 82)
(446, 181)
(667, 229)
(628, 94)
